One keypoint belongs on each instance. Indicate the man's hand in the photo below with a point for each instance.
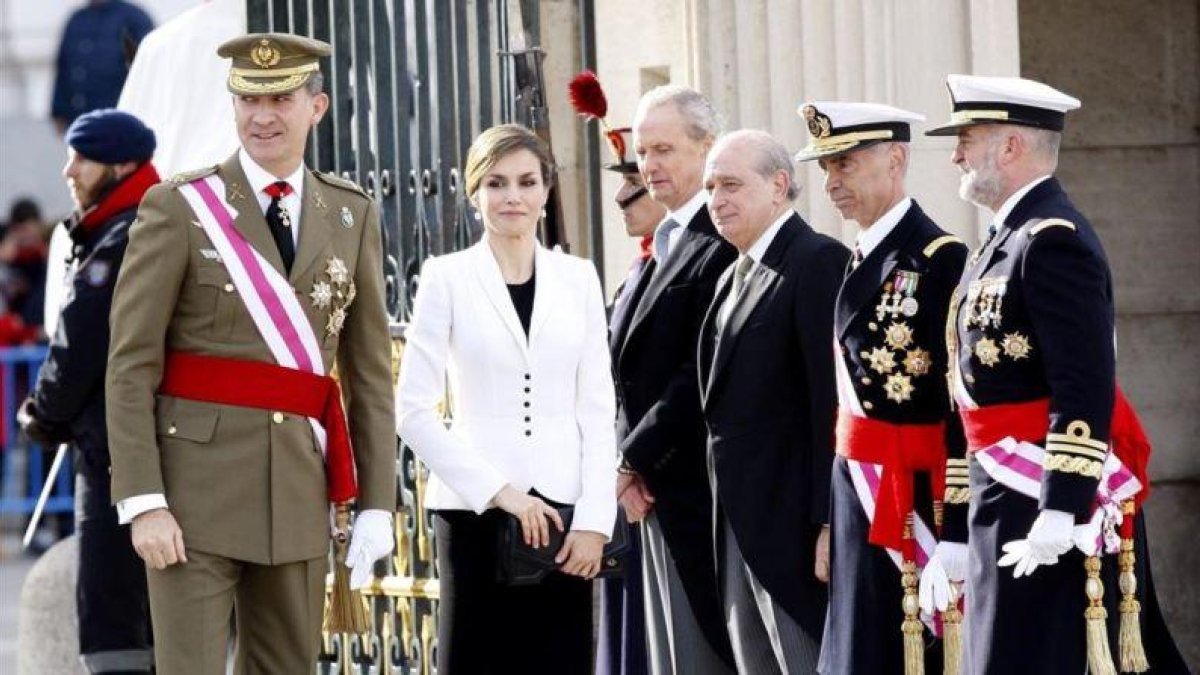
(1051, 535)
(158, 539)
(371, 538)
(634, 496)
(821, 564)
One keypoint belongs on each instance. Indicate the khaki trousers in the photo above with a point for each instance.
(278, 610)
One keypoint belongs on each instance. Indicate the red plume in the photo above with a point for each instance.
(587, 97)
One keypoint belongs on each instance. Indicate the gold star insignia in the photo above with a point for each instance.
(333, 325)
(917, 362)
(882, 360)
(336, 269)
(898, 335)
(1016, 346)
(321, 295)
(987, 352)
(898, 387)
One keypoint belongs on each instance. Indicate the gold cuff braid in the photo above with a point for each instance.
(1073, 464)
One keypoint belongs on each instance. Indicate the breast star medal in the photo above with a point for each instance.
(898, 335)
(917, 362)
(1016, 346)
(335, 293)
(882, 361)
(987, 352)
(898, 387)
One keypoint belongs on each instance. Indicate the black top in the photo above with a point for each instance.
(522, 299)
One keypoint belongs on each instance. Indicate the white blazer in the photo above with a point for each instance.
(537, 413)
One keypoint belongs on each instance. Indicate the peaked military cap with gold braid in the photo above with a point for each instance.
(836, 127)
(1004, 100)
(271, 63)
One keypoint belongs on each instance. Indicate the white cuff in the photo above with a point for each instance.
(132, 507)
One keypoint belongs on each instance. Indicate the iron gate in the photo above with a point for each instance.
(411, 83)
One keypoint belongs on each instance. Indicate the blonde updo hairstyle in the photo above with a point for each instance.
(497, 143)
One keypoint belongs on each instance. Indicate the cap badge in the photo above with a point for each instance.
(819, 125)
(265, 54)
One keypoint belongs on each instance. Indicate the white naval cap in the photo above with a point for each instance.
(1004, 100)
(835, 127)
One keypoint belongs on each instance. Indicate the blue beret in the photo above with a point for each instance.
(110, 136)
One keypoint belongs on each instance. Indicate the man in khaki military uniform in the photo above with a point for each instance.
(244, 285)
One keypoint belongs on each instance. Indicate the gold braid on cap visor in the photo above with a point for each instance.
(270, 81)
(846, 141)
(972, 115)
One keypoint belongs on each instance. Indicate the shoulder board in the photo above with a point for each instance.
(188, 176)
(1052, 222)
(940, 242)
(338, 182)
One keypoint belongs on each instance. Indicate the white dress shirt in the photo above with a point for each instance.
(756, 252)
(1011, 203)
(869, 239)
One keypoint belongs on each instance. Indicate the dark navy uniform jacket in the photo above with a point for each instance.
(1035, 319)
(890, 323)
(70, 387)
(92, 61)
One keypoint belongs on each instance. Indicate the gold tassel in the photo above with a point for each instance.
(1133, 653)
(952, 632)
(1100, 660)
(346, 611)
(914, 643)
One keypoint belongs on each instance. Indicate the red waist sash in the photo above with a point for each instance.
(255, 384)
(1030, 422)
(901, 449)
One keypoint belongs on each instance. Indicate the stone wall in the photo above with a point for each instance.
(1131, 161)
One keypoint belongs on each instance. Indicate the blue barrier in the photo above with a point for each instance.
(21, 364)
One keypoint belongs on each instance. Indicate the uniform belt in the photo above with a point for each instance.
(255, 384)
(901, 449)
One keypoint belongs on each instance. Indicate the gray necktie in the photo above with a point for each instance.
(662, 238)
(740, 271)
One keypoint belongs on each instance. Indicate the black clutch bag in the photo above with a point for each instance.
(521, 564)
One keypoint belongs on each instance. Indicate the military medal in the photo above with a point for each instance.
(882, 361)
(336, 269)
(898, 335)
(321, 295)
(1016, 346)
(898, 387)
(905, 284)
(285, 218)
(917, 362)
(987, 352)
(347, 218)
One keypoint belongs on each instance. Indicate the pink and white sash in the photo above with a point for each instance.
(1018, 466)
(267, 295)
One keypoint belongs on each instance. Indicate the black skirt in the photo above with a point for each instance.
(485, 626)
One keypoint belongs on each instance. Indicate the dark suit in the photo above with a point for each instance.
(659, 427)
(908, 387)
(769, 402)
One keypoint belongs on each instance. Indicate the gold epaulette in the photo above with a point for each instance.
(339, 182)
(940, 242)
(1052, 222)
(185, 177)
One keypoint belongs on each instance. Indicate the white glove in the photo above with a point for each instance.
(1051, 535)
(371, 539)
(948, 564)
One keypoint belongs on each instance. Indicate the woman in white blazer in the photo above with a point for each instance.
(519, 333)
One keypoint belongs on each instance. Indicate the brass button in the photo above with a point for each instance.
(969, 378)
(171, 430)
(867, 405)
(228, 288)
(865, 380)
(873, 326)
(277, 418)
